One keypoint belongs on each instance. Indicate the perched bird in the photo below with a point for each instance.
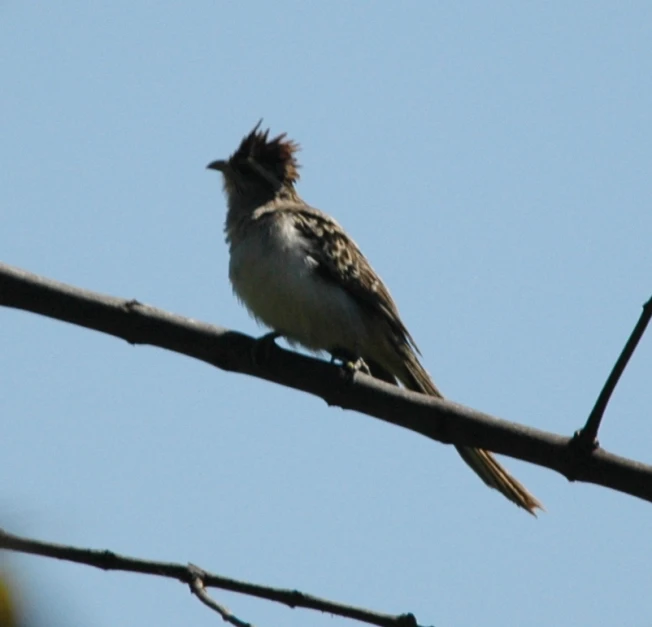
(299, 273)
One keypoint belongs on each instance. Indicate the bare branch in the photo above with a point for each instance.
(197, 579)
(198, 589)
(439, 420)
(587, 437)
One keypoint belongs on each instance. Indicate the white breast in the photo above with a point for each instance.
(273, 274)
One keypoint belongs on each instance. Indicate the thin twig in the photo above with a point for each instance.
(587, 437)
(443, 421)
(197, 588)
(108, 560)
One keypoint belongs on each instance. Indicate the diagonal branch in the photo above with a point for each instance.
(439, 420)
(198, 589)
(197, 579)
(587, 437)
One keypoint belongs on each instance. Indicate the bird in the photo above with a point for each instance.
(299, 273)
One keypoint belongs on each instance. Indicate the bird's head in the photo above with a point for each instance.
(260, 165)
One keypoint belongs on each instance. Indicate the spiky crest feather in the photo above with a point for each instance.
(274, 156)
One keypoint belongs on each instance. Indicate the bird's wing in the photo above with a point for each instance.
(340, 261)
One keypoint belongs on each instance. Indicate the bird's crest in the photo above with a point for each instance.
(273, 159)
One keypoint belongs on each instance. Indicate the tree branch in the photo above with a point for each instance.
(587, 437)
(439, 420)
(198, 589)
(198, 579)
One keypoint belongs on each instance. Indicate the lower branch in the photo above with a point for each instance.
(198, 589)
(198, 579)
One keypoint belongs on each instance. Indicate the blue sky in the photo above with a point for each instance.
(493, 162)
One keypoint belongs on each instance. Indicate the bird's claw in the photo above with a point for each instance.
(349, 364)
(359, 365)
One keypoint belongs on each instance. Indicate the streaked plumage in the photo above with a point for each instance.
(299, 273)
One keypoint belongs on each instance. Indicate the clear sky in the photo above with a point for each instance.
(493, 162)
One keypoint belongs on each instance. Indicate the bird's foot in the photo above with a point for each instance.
(359, 365)
(262, 346)
(349, 364)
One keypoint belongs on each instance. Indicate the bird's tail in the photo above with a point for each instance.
(483, 463)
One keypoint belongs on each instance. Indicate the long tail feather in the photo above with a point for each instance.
(413, 376)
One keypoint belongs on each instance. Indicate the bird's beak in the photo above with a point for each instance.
(220, 165)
